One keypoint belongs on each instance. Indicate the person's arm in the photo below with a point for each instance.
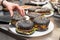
(11, 6)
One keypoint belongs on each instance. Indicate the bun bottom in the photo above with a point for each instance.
(24, 32)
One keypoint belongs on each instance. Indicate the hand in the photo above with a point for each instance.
(11, 6)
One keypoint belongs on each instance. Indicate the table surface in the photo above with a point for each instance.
(54, 35)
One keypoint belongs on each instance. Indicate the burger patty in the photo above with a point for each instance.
(25, 31)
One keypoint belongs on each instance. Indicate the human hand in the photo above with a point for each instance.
(11, 6)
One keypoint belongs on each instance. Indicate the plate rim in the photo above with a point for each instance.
(33, 33)
(52, 13)
(39, 2)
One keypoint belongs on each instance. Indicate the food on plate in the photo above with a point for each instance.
(43, 11)
(25, 27)
(33, 15)
(53, 1)
(32, 9)
(41, 23)
(26, 7)
(16, 18)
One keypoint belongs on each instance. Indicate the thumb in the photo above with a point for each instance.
(11, 12)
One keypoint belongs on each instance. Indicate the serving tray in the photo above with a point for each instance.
(36, 33)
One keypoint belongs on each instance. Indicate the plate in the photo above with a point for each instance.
(36, 33)
(51, 14)
(40, 2)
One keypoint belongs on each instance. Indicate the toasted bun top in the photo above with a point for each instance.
(41, 20)
(33, 15)
(25, 24)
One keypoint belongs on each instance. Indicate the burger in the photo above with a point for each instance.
(43, 10)
(25, 27)
(16, 18)
(33, 15)
(41, 23)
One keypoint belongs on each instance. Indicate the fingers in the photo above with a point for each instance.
(20, 10)
(16, 6)
(11, 12)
